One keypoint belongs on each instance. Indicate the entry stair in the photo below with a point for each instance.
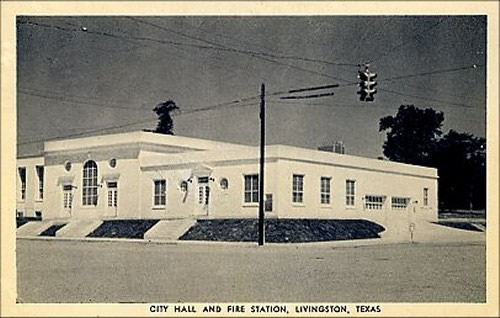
(167, 230)
(78, 228)
(35, 228)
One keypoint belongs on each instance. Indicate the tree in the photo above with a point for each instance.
(412, 134)
(414, 137)
(461, 162)
(165, 122)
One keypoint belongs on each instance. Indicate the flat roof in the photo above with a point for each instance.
(137, 137)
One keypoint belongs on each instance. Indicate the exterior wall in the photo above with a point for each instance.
(32, 202)
(222, 202)
(126, 174)
(366, 183)
(142, 158)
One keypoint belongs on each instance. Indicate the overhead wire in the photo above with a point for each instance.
(403, 43)
(474, 66)
(63, 99)
(248, 52)
(260, 55)
(133, 123)
(427, 98)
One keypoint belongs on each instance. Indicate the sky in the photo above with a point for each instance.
(79, 76)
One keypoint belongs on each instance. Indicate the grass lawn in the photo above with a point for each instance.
(51, 231)
(123, 228)
(283, 230)
(23, 220)
(461, 225)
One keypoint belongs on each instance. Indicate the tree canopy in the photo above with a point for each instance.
(411, 134)
(414, 136)
(165, 122)
(461, 162)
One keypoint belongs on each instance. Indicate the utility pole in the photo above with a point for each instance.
(262, 153)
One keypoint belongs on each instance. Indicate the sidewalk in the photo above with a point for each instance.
(424, 233)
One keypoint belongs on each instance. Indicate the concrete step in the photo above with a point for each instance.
(34, 228)
(169, 229)
(78, 228)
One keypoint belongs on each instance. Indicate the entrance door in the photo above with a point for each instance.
(113, 197)
(67, 198)
(203, 195)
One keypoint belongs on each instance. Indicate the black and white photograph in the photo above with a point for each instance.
(252, 164)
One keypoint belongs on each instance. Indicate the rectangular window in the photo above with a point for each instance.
(350, 192)
(251, 193)
(112, 194)
(22, 177)
(160, 197)
(325, 190)
(374, 202)
(297, 188)
(202, 179)
(40, 172)
(398, 203)
(268, 204)
(426, 196)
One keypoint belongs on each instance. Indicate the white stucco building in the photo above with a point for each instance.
(148, 175)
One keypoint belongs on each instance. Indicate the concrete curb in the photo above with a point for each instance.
(328, 244)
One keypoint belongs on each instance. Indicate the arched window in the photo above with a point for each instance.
(89, 195)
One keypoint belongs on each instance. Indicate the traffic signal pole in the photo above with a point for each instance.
(262, 154)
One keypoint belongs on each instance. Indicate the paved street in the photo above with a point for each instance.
(74, 271)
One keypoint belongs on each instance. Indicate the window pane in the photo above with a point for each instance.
(89, 191)
(255, 196)
(160, 192)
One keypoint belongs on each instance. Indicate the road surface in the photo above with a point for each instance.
(76, 271)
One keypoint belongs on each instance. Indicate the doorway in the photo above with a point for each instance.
(113, 197)
(67, 199)
(203, 195)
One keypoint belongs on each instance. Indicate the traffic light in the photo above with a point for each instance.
(367, 85)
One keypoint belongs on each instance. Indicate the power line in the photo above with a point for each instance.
(174, 31)
(87, 132)
(62, 94)
(248, 52)
(118, 36)
(63, 99)
(179, 113)
(299, 103)
(284, 92)
(413, 38)
(417, 74)
(432, 72)
(368, 31)
(427, 98)
(258, 55)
